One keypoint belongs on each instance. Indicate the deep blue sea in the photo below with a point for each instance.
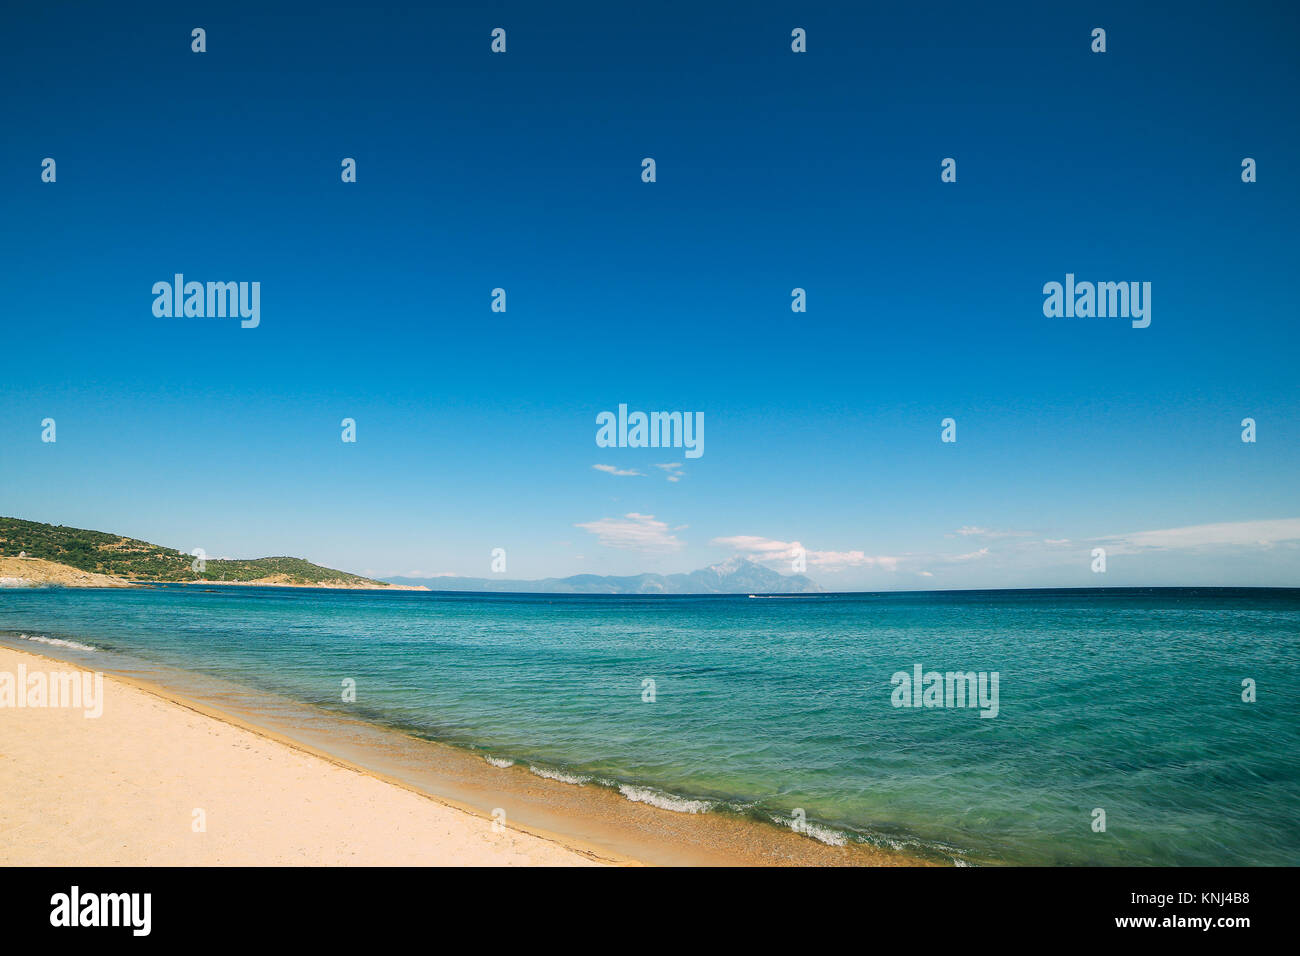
(1127, 701)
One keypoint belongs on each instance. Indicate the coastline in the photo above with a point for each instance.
(126, 789)
(269, 583)
(23, 572)
(389, 798)
(37, 572)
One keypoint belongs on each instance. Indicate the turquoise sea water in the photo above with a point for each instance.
(1125, 700)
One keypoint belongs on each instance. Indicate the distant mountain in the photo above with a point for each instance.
(129, 559)
(733, 576)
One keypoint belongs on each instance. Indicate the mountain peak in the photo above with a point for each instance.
(731, 566)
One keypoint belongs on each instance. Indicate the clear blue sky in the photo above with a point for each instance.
(775, 170)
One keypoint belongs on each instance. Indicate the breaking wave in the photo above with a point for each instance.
(664, 801)
(55, 642)
(559, 775)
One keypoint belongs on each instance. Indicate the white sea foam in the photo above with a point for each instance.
(559, 775)
(499, 762)
(664, 801)
(55, 642)
(815, 830)
(825, 834)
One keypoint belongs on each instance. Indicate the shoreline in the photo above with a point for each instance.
(580, 823)
(16, 574)
(325, 585)
(412, 822)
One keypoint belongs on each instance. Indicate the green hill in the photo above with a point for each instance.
(135, 560)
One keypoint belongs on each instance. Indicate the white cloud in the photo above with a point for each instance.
(764, 547)
(1241, 534)
(836, 560)
(971, 531)
(633, 532)
(611, 470)
(772, 551)
(949, 559)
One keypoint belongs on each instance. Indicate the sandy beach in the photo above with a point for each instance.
(34, 572)
(122, 789)
(274, 786)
